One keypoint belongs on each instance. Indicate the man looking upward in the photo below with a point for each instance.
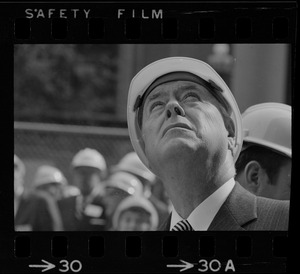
(186, 127)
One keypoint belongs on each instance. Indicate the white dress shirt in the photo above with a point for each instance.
(202, 216)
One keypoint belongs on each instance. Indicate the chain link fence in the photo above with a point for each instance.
(39, 143)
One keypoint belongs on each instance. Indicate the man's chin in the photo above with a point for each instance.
(171, 149)
(179, 146)
(178, 140)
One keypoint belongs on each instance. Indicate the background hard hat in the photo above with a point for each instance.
(150, 73)
(48, 174)
(269, 125)
(133, 164)
(90, 158)
(136, 201)
(19, 166)
(127, 182)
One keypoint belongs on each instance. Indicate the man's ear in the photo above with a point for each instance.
(231, 142)
(252, 173)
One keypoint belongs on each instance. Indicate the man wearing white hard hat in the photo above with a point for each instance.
(186, 127)
(118, 186)
(132, 164)
(135, 213)
(51, 180)
(86, 211)
(264, 165)
(37, 209)
(19, 173)
(89, 169)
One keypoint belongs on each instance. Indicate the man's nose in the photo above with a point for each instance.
(173, 108)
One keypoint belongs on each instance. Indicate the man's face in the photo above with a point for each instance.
(86, 178)
(113, 196)
(182, 116)
(281, 188)
(54, 189)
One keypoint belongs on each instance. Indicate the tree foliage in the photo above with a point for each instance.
(73, 84)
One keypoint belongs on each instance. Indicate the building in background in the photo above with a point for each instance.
(262, 73)
(256, 73)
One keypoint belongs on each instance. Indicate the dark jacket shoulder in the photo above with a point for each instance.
(271, 215)
(243, 210)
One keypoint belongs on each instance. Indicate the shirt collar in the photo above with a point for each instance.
(202, 216)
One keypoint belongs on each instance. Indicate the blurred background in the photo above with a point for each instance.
(68, 97)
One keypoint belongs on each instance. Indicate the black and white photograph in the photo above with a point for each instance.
(152, 137)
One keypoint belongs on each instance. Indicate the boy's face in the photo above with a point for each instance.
(134, 221)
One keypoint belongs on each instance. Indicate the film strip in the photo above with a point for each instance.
(136, 23)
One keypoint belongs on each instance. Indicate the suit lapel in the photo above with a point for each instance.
(238, 209)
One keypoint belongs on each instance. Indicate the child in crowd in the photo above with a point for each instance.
(135, 213)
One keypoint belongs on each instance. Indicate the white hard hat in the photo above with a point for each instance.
(20, 167)
(136, 201)
(47, 175)
(125, 181)
(132, 163)
(150, 73)
(90, 158)
(269, 125)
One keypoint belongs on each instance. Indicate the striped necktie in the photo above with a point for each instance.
(183, 225)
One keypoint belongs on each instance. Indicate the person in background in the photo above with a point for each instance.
(50, 180)
(19, 174)
(118, 186)
(135, 213)
(37, 209)
(185, 126)
(86, 211)
(265, 162)
(159, 192)
(132, 164)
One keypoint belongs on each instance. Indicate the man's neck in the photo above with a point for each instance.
(186, 199)
(188, 186)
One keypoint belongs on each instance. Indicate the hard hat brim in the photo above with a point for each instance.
(269, 125)
(277, 148)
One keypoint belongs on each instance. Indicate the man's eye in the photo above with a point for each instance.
(191, 95)
(155, 104)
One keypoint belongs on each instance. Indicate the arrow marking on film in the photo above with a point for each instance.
(185, 265)
(47, 266)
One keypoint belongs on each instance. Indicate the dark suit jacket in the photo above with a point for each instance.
(243, 210)
(34, 212)
(71, 222)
